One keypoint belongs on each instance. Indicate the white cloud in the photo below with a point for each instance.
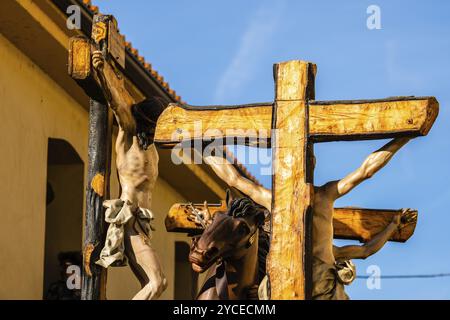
(254, 41)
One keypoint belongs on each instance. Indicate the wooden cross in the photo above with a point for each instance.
(290, 125)
(105, 37)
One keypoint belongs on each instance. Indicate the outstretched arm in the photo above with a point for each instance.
(370, 166)
(118, 98)
(228, 173)
(377, 242)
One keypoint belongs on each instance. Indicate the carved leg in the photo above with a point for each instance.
(145, 264)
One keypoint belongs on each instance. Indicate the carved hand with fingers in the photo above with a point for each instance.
(201, 218)
(98, 61)
(406, 217)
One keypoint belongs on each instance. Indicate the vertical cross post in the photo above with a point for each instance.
(99, 166)
(93, 276)
(289, 264)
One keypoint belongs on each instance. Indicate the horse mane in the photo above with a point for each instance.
(243, 207)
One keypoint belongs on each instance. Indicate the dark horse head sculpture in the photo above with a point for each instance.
(231, 241)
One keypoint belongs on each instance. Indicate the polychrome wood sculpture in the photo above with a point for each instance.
(234, 241)
(291, 125)
(331, 269)
(328, 259)
(129, 217)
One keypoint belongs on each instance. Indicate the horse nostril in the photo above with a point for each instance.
(211, 252)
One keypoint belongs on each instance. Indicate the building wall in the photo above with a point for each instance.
(34, 108)
(63, 221)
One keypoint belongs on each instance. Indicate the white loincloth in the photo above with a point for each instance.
(117, 214)
(327, 284)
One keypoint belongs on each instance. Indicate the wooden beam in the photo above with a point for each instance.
(185, 123)
(291, 194)
(99, 166)
(372, 119)
(362, 224)
(134, 70)
(93, 276)
(328, 121)
(80, 67)
(177, 218)
(348, 223)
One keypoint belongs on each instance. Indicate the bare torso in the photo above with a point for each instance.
(138, 170)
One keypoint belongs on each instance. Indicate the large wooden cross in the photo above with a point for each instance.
(105, 37)
(290, 125)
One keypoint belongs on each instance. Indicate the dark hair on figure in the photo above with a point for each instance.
(146, 114)
(243, 207)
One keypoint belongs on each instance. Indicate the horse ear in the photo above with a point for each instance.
(229, 198)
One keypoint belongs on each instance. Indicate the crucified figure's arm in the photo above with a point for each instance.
(377, 242)
(118, 98)
(228, 173)
(373, 163)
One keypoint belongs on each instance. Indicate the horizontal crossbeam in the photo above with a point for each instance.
(328, 121)
(349, 223)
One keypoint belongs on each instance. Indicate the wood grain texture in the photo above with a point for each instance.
(177, 218)
(349, 223)
(291, 195)
(79, 58)
(328, 120)
(80, 69)
(177, 124)
(376, 119)
(93, 276)
(362, 224)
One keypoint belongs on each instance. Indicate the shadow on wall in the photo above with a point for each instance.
(64, 216)
(185, 278)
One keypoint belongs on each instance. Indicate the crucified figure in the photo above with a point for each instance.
(129, 218)
(331, 266)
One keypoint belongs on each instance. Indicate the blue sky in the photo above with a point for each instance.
(222, 52)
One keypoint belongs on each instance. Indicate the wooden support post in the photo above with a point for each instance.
(100, 140)
(94, 276)
(292, 194)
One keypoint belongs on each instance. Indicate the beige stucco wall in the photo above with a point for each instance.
(33, 108)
